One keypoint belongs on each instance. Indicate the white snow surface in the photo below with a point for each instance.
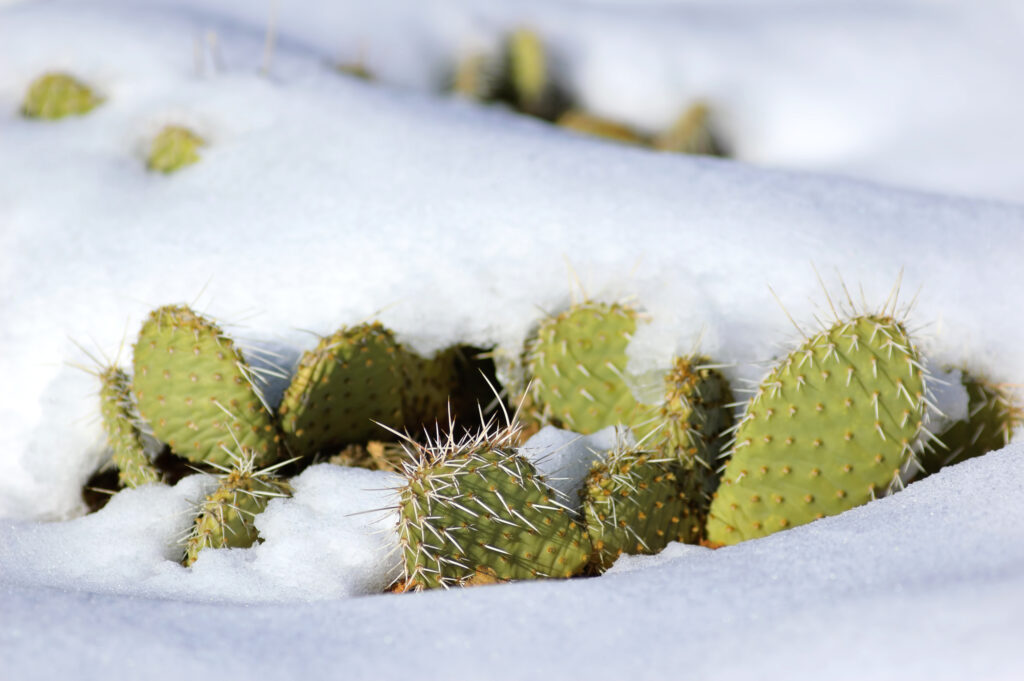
(323, 201)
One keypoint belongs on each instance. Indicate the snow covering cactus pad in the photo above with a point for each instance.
(992, 415)
(56, 95)
(694, 415)
(225, 517)
(121, 424)
(577, 364)
(828, 429)
(634, 504)
(196, 391)
(476, 511)
(174, 148)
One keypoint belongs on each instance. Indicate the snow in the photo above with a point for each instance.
(322, 201)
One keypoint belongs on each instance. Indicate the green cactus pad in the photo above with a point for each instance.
(56, 95)
(577, 364)
(829, 428)
(692, 133)
(992, 416)
(123, 435)
(477, 509)
(587, 124)
(429, 385)
(528, 69)
(174, 148)
(225, 517)
(634, 504)
(196, 391)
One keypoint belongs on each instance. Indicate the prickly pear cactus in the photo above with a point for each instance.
(528, 70)
(476, 511)
(225, 517)
(196, 391)
(56, 95)
(830, 427)
(121, 424)
(173, 148)
(577, 363)
(429, 384)
(692, 133)
(587, 124)
(992, 416)
(633, 504)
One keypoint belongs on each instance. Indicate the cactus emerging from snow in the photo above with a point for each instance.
(56, 95)
(121, 424)
(173, 148)
(577, 364)
(692, 133)
(357, 378)
(477, 511)
(588, 124)
(196, 391)
(633, 503)
(225, 518)
(829, 428)
(992, 416)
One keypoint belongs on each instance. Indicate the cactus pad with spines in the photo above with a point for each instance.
(194, 388)
(173, 148)
(633, 504)
(478, 511)
(121, 424)
(351, 379)
(225, 518)
(577, 363)
(831, 427)
(992, 415)
(429, 384)
(56, 95)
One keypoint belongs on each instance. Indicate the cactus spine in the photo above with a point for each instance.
(828, 429)
(56, 95)
(120, 422)
(196, 391)
(476, 510)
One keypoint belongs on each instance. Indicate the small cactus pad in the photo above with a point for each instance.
(121, 425)
(599, 127)
(477, 508)
(692, 133)
(828, 429)
(693, 416)
(528, 70)
(992, 416)
(225, 517)
(633, 504)
(56, 95)
(577, 363)
(475, 77)
(174, 148)
(195, 390)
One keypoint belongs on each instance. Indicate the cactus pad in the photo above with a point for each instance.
(478, 511)
(225, 517)
(577, 364)
(56, 95)
(587, 124)
(123, 435)
(195, 390)
(828, 429)
(633, 504)
(692, 133)
(174, 148)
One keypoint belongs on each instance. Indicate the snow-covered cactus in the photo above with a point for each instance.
(576, 364)
(225, 518)
(197, 393)
(477, 511)
(356, 379)
(695, 413)
(121, 424)
(992, 415)
(173, 148)
(831, 427)
(56, 95)
(633, 503)
(588, 124)
(692, 133)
